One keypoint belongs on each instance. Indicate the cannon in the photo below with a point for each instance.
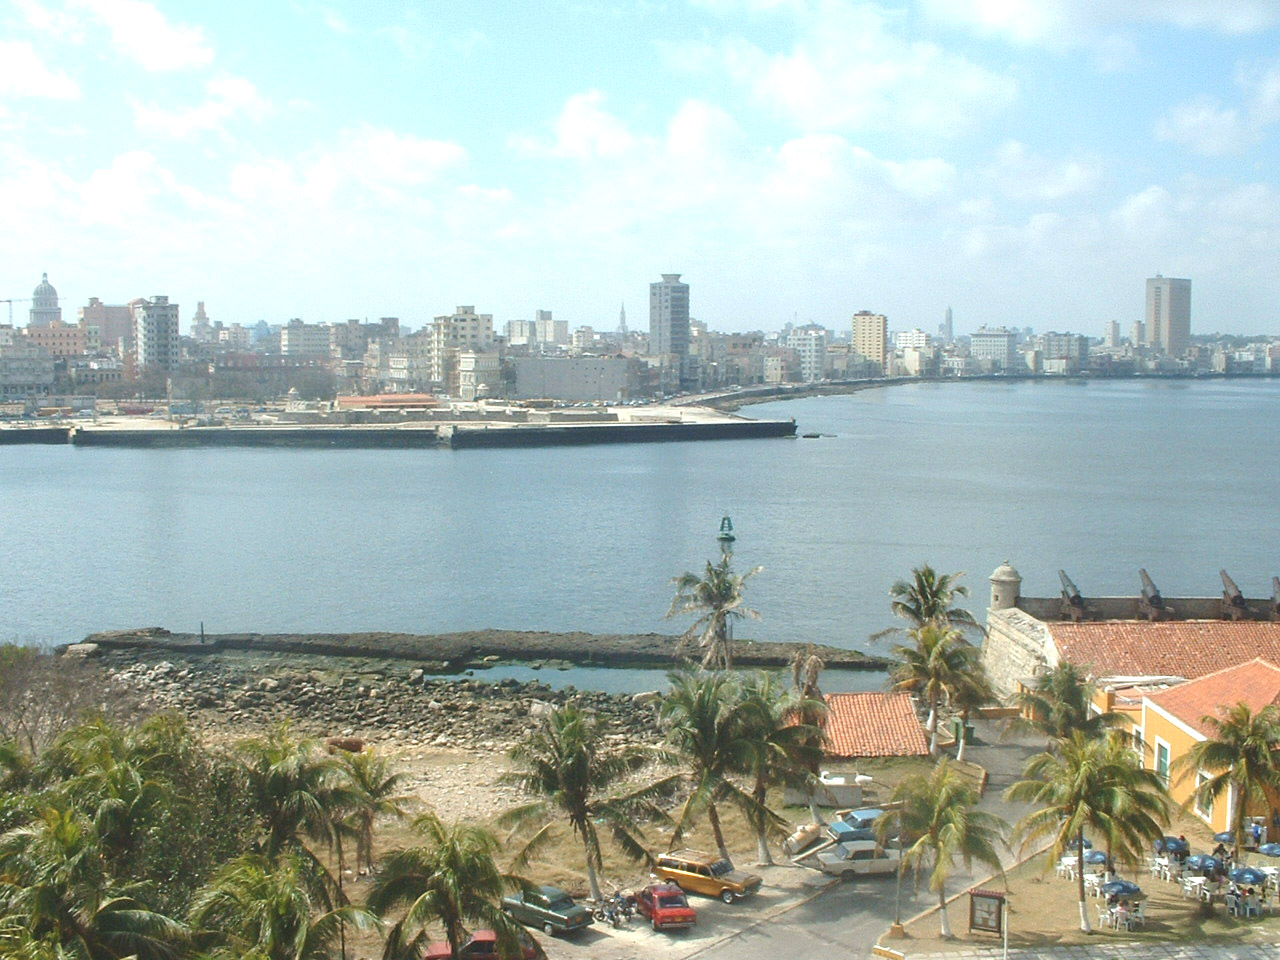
(1072, 605)
(1150, 604)
(1233, 603)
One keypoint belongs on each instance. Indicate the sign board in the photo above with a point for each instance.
(986, 911)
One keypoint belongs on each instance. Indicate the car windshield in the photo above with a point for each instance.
(565, 903)
(720, 868)
(672, 900)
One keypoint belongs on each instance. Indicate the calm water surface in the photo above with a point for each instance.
(1096, 478)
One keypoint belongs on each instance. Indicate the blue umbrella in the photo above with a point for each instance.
(1226, 836)
(1247, 875)
(1121, 888)
(1270, 849)
(1204, 862)
(1172, 845)
(1095, 856)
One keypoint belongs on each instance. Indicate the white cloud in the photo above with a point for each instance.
(227, 97)
(1022, 175)
(849, 69)
(1205, 126)
(143, 34)
(334, 21)
(23, 74)
(582, 129)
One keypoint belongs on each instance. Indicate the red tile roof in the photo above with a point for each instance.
(1177, 648)
(873, 725)
(1256, 683)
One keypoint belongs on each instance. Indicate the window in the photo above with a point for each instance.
(1162, 760)
(1205, 809)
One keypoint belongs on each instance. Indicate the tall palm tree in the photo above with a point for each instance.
(939, 822)
(372, 792)
(708, 727)
(260, 907)
(928, 597)
(717, 597)
(782, 748)
(450, 878)
(1240, 752)
(932, 668)
(568, 766)
(54, 878)
(806, 670)
(1061, 704)
(1087, 783)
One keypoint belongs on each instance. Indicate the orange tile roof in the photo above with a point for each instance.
(1177, 648)
(873, 725)
(1256, 683)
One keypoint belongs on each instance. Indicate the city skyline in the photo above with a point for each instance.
(1026, 165)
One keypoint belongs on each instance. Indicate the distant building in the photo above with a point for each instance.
(201, 328)
(810, 346)
(871, 336)
(44, 304)
(995, 349)
(551, 331)
(114, 322)
(298, 339)
(26, 370)
(911, 339)
(1138, 334)
(1169, 314)
(946, 332)
(479, 374)
(576, 379)
(669, 316)
(62, 340)
(1112, 338)
(155, 334)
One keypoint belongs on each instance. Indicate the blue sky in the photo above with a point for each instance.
(1027, 162)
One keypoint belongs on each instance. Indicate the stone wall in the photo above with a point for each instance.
(1015, 648)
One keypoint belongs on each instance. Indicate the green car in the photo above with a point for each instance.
(549, 908)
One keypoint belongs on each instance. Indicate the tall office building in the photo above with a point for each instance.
(871, 336)
(1112, 338)
(1169, 314)
(155, 334)
(946, 331)
(1138, 333)
(44, 305)
(669, 316)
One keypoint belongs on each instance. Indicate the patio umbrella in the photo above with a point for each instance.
(1121, 888)
(1173, 845)
(1204, 862)
(1226, 836)
(1270, 849)
(1247, 875)
(1095, 856)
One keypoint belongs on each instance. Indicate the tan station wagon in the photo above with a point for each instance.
(707, 874)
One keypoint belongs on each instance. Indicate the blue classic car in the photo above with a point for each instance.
(548, 908)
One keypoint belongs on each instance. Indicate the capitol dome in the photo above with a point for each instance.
(45, 292)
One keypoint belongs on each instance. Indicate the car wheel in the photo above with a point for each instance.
(847, 876)
(656, 928)
(726, 895)
(548, 929)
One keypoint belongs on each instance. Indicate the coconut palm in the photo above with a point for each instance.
(938, 822)
(717, 597)
(371, 787)
(933, 667)
(450, 878)
(261, 907)
(782, 748)
(709, 728)
(1093, 784)
(54, 879)
(806, 669)
(1240, 752)
(928, 598)
(1061, 704)
(574, 775)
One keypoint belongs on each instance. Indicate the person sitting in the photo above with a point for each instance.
(1220, 851)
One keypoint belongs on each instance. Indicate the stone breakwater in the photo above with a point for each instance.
(387, 701)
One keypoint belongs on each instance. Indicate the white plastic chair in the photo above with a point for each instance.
(1139, 916)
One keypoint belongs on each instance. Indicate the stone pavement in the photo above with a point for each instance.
(1119, 951)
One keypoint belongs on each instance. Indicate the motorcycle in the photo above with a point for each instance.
(615, 910)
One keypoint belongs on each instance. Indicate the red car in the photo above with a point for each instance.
(483, 943)
(665, 906)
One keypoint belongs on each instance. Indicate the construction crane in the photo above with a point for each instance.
(11, 303)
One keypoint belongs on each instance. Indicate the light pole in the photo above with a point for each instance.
(896, 931)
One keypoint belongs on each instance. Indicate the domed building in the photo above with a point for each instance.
(44, 304)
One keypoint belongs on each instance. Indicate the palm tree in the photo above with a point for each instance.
(1061, 704)
(1087, 783)
(782, 748)
(56, 881)
(709, 728)
(567, 766)
(928, 597)
(371, 790)
(717, 597)
(256, 906)
(933, 668)
(939, 822)
(450, 878)
(970, 691)
(1240, 751)
(806, 669)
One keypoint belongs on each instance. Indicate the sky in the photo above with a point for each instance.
(1025, 162)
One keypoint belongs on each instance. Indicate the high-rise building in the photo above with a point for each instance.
(871, 336)
(1112, 339)
(994, 348)
(44, 305)
(114, 322)
(669, 316)
(810, 345)
(622, 323)
(1169, 314)
(155, 334)
(1138, 334)
(946, 332)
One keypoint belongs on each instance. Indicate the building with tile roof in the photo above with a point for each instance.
(873, 725)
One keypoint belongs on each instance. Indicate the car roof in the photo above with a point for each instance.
(694, 855)
(664, 888)
(552, 893)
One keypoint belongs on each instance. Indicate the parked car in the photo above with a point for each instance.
(549, 908)
(483, 943)
(665, 906)
(853, 859)
(854, 824)
(706, 873)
